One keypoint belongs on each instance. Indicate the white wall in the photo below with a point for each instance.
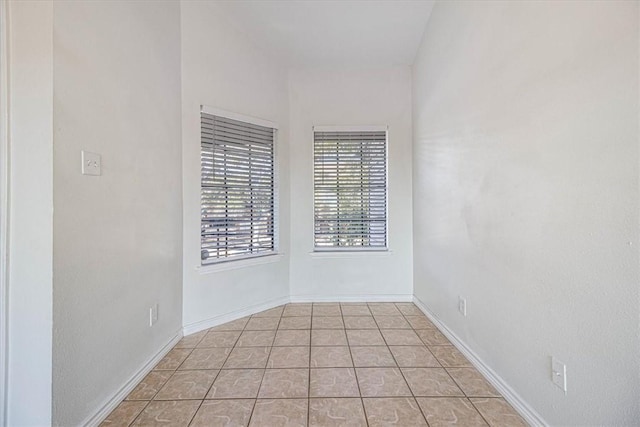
(222, 68)
(526, 196)
(351, 97)
(30, 216)
(117, 237)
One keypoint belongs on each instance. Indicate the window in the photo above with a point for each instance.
(237, 188)
(350, 189)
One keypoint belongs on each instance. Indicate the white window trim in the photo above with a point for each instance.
(237, 116)
(354, 252)
(261, 258)
(240, 263)
(4, 209)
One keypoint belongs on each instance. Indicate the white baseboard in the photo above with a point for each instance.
(353, 298)
(523, 408)
(192, 328)
(120, 395)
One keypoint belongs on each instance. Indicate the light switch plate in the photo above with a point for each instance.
(91, 163)
(559, 374)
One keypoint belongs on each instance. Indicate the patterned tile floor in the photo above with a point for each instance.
(321, 364)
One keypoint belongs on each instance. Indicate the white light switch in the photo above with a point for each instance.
(559, 374)
(91, 163)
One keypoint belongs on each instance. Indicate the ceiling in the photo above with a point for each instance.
(333, 32)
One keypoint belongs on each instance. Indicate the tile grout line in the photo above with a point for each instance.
(355, 373)
(402, 372)
(219, 370)
(255, 403)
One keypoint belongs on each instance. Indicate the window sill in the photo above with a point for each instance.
(363, 253)
(239, 264)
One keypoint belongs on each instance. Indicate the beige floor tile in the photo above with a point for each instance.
(328, 337)
(289, 357)
(284, 383)
(187, 385)
(324, 322)
(279, 413)
(362, 337)
(173, 359)
(384, 309)
(330, 357)
(219, 339)
(248, 357)
(447, 411)
(498, 412)
(206, 358)
(150, 385)
(191, 341)
(400, 337)
(298, 322)
(256, 339)
(355, 310)
(224, 413)
(234, 325)
(262, 324)
(289, 338)
(449, 356)
(360, 322)
(272, 312)
(408, 309)
(236, 384)
(333, 382)
(472, 382)
(432, 337)
(326, 310)
(431, 382)
(415, 356)
(124, 414)
(397, 411)
(382, 382)
(374, 356)
(333, 412)
(392, 322)
(168, 412)
(420, 322)
(297, 310)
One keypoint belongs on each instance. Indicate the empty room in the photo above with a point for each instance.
(319, 213)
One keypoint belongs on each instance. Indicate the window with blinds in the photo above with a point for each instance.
(237, 189)
(350, 190)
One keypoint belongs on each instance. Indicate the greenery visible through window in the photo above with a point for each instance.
(237, 189)
(350, 190)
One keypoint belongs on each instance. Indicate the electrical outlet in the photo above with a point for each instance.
(462, 306)
(153, 314)
(559, 374)
(91, 163)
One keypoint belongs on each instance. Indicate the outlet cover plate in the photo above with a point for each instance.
(91, 163)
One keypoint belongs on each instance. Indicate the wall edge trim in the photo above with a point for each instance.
(353, 298)
(201, 325)
(514, 399)
(111, 403)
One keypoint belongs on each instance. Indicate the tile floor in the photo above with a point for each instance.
(321, 364)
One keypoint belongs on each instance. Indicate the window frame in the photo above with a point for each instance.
(346, 250)
(248, 259)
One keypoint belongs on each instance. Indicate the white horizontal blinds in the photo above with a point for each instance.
(350, 189)
(237, 197)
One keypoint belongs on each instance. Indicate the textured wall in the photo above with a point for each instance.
(526, 195)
